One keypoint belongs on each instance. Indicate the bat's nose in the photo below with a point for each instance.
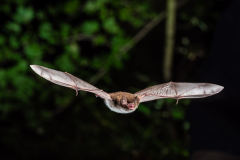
(130, 106)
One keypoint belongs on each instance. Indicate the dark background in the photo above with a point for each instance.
(40, 120)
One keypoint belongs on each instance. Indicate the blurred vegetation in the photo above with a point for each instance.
(85, 38)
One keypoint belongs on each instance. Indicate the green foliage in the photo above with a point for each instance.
(71, 7)
(144, 109)
(110, 25)
(39, 119)
(52, 34)
(15, 27)
(23, 14)
(100, 40)
(90, 27)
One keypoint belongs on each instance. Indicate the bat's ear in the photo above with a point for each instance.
(124, 100)
(136, 102)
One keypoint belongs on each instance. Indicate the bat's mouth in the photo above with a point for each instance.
(130, 106)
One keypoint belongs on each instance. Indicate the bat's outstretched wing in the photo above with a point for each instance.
(178, 91)
(67, 80)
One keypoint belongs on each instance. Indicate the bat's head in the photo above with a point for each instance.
(128, 102)
(122, 102)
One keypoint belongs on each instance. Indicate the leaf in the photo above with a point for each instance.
(71, 6)
(94, 6)
(24, 15)
(22, 66)
(99, 40)
(46, 32)
(90, 27)
(5, 8)
(65, 29)
(2, 40)
(144, 109)
(90, 7)
(124, 14)
(185, 102)
(24, 86)
(12, 26)
(46, 114)
(65, 63)
(14, 42)
(40, 15)
(73, 49)
(171, 101)
(159, 103)
(3, 79)
(33, 51)
(136, 22)
(110, 25)
(97, 62)
(186, 125)
(178, 113)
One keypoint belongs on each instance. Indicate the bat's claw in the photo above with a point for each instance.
(177, 101)
(76, 92)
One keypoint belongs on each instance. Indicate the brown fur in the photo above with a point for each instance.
(117, 96)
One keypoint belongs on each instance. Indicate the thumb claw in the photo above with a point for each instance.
(177, 102)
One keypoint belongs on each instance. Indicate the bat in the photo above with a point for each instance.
(124, 102)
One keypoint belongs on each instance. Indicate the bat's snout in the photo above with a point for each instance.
(131, 106)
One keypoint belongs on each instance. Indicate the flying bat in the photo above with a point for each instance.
(124, 102)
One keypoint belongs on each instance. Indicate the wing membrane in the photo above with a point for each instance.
(178, 91)
(67, 80)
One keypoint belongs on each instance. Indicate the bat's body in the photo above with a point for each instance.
(123, 102)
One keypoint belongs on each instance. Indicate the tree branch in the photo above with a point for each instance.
(144, 31)
(169, 39)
